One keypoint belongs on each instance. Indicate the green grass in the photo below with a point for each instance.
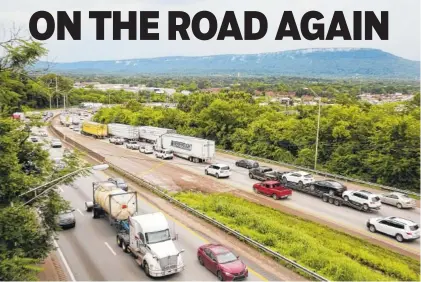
(332, 254)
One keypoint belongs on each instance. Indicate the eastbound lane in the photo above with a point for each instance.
(160, 174)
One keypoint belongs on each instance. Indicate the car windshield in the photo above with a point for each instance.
(335, 184)
(158, 236)
(225, 168)
(413, 227)
(226, 257)
(266, 169)
(55, 140)
(307, 176)
(277, 185)
(133, 142)
(405, 197)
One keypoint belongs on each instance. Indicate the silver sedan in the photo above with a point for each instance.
(398, 200)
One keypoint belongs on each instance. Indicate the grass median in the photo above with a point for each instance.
(332, 254)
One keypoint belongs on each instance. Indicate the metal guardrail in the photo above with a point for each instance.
(161, 192)
(323, 173)
(227, 229)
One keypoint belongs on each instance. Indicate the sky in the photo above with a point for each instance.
(404, 27)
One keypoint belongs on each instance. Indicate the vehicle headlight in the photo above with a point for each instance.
(227, 273)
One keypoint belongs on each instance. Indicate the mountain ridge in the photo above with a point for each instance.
(310, 62)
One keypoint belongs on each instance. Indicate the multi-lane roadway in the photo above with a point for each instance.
(345, 217)
(91, 253)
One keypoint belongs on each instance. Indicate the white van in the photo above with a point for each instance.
(164, 154)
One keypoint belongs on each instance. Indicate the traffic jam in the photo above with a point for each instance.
(166, 144)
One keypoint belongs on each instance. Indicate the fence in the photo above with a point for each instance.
(323, 173)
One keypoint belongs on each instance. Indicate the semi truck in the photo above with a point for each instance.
(123, 130)
(94, 129)
(145, 237)
(186, 147)
(151, 134)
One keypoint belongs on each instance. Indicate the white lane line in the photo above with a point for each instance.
(111, 250)
(61, 190)
(80, 212)
(72, 277)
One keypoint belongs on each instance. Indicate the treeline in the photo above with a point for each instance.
(377, 143)
(322, 87)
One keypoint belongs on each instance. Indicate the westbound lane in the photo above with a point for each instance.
(343, 216)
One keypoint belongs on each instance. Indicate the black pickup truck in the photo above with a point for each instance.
(264, 173)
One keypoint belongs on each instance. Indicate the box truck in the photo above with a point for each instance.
(95, 129)
(186, 147)
(150, 134)
(146, 237)
(123, 130)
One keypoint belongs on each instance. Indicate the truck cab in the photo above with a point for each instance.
(151, 244)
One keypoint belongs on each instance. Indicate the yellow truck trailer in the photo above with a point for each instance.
(95, 129)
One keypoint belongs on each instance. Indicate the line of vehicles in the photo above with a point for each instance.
(148, 238)
(276, 184)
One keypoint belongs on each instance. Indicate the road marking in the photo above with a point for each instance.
(111, 250)
(72, 277)
(153, 168)
(261, 277)
(80, 212)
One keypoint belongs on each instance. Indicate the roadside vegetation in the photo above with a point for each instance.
(332, 254)
(26, 231)
(376, 143)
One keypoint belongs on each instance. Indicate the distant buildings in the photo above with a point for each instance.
(385, 98)
(126, 87)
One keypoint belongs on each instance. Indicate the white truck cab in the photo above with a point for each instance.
(152, 245)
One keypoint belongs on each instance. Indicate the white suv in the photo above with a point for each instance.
(218, 170)
(297, 177)
(164, 154)
(401, 229)
(363, 198)
(132, 145)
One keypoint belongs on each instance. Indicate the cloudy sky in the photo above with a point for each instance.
(404, 27)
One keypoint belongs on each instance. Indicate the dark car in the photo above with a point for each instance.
(222, 262)
(34, 139)
(66, 219)
(260, 173)
(119, 182)
(274, 175)
(247, 164)
(328, 186)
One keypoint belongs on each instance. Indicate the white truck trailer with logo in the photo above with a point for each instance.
(125, 131)
(187, 147)
(151, 134)
(146, 237)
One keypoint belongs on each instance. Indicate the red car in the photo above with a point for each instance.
(222, 262)
(273, 189)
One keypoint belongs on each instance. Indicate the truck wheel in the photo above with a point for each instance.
(118, 241)
(206, 172)
(399, 205)
(255, 190)
(325, 198)
(146, 268)
(251, 176)
(399, 238)
(220, 277)
(124, 247)
(346, 198)
(275, 197)
(372, 228)
(200, 260)
(365, 207)
(330, 201)
(336, 202)
(217, 175)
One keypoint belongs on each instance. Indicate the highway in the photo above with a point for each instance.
(91, 252)
(165, 174)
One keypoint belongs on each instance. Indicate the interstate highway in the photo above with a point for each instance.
(91, 252)
(345, 217)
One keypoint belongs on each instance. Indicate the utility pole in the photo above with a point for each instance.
(56, 92)
(317, 135)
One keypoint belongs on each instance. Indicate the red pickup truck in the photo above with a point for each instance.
(273, 189)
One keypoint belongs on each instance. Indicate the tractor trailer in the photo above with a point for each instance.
(151, 134)
(146, 237)
(186, 147)
(123, 130)
(95, 129)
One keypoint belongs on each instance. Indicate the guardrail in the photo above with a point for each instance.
(322, 173)
(161, 192)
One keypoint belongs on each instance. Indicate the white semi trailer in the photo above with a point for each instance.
(123, 130)
(151, 134)
(186, 147)
(146, 237)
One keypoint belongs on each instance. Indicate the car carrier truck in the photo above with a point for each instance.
(186, 147)
(145, 237)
